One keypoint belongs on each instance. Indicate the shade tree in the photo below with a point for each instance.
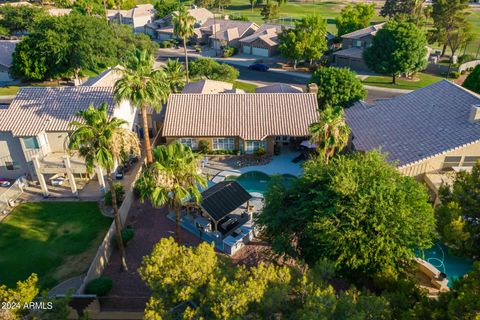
(354, 17)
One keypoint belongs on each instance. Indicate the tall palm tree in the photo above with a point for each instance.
(331, 132)
(103, 142)
(144, 87)
(183, 24)
(175, 75)
(173, 177)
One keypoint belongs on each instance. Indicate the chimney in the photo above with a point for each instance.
(474, 113)
(312, 88)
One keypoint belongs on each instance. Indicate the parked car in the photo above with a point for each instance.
(258, 67)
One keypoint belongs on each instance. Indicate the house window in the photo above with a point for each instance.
(470, 161)
(223, 144)
(450, 162)
(12, 165)
(189, 142)
(357, 43)
(253, 145)
(31, 143)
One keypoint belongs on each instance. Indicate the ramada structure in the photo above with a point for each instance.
(239, 122)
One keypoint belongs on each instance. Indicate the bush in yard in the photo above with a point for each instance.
(127, 234)
(100, 286)
(119, 191)
(166, 44)
(472, 82)
(228, 52)
(465, 58)
(260, 151)
(211, 69)
(203, 146)
(454, 74)
(198, 48)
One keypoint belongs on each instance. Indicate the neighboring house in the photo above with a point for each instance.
(35, 126)
(210, 86)
(137, 18)
(429, 132)
(57, 12)
(353, 44)
(242, 122)
(220, 33)
(264, 42)
(7, 47)
(278, 88)
(162, 29)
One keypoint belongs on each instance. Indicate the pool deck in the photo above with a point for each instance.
(281, 164)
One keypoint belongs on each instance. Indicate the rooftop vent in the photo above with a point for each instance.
(474, 113)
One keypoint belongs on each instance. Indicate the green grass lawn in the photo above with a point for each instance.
(244, 86)
(55, 240)
(386, 81)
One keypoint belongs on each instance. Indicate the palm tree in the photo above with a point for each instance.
(144, 87)
(183, 24)
(175, 75)
(103, 142)
(173, 177)
(331, 132)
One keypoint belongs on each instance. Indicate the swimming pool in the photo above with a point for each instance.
(454, 267)
(256, 181)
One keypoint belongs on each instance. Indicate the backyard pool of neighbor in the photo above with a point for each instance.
(256, 181)
(454, 267)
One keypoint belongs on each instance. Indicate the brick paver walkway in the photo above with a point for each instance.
(150, 224)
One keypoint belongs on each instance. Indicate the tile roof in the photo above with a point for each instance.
(223, 198)
(278, 88)
(207, 86)
(7, 47)
(370, 30)
(221, 26)
(418, 125)
(105, 79)
(51, 108)
(269, 30)
(249, 116)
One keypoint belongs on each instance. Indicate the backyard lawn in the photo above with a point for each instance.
(386, 81)
(244, 86)
(56, 240)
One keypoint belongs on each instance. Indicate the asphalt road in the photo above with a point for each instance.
(269, 77)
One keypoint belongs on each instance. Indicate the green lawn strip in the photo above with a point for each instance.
(386, 82)
(244, 86)
(13, 89)
(55, 240)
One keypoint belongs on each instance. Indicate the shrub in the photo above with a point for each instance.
(203, 146)
(198, 48)
(119, 191)
(465, 58)
(166, 44)
(260, 151)
(228, 52)
(454, 74)
(472, 82)
(239, 17)
(127, 234)
(100, 286)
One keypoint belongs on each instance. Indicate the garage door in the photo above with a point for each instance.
(164, 36)
(260, 52)
(247, 49)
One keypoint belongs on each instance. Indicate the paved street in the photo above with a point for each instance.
(267, 78)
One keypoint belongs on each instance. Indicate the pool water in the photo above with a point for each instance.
(256, 181)
(454, 267)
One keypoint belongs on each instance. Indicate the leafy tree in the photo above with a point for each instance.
(463, 302)
(449, 16)
(175, 75)
(166, 7)
(314, 30)
(458, 213)
(102, 142)
(357, 211)
(270, 12)
(399, 47)
(144, 87)
(221, 4)
(331, 132)
(171, 178)
(211, 69)
(354, 17)
(24, 292)
(337, 87)
(460, 36)
(90, 7)
(19, 19)
(472, 82)
(292, 45)
(183, 24)
(392, 8)
(204, 3)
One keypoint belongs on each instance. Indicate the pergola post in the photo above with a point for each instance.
(41, 178)
(71, 178)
